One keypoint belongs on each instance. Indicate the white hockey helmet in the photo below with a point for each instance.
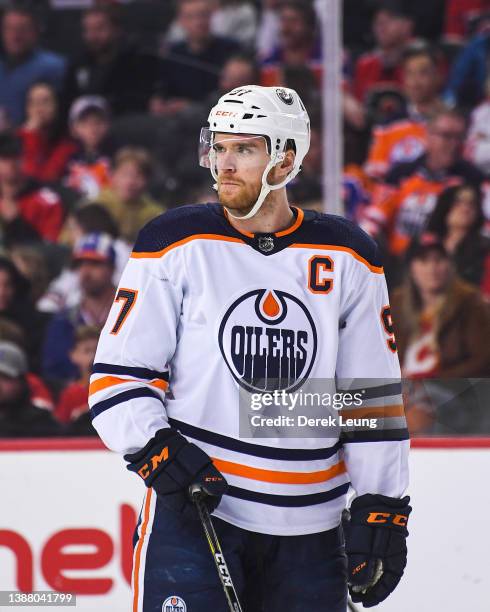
(276, 113)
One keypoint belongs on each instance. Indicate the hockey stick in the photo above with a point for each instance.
(214, 545)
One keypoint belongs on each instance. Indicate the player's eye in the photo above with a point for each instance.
(218, 148)
(244, 149)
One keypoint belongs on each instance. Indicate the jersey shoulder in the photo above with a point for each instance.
(336, 231)
(176, 225)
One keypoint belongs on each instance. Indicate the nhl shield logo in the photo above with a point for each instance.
(266, 244)
(174, 603)
(268, 340)
(284, 96)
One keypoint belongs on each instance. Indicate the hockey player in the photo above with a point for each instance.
(244, 296)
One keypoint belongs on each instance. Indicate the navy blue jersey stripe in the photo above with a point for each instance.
(125, 396)
(374, 435)
(256, 450)
(375, 392)
(177, 224)
(290, 501)
(145, 373)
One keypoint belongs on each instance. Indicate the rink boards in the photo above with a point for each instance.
(69, 508)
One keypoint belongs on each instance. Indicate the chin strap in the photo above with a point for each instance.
(277, 158)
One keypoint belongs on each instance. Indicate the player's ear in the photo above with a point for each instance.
(287, 163)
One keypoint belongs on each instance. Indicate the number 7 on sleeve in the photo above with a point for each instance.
(128, 299)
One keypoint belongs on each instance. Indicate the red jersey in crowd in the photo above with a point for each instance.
(73, 402)
(40, 394)
(42, 209)
(371, 73)
(42, 159)
(459, 13)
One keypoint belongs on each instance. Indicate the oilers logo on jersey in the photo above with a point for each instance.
(268, 340)
(174, 604)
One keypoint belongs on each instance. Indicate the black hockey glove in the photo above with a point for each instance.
(170, 464)
(375, 543)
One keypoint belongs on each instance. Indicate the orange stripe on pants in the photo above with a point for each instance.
(137, 558)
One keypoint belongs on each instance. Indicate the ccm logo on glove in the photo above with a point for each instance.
(171, 464)
(145, 470)
(386, 517)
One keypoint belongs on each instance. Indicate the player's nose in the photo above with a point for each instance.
(227, 162)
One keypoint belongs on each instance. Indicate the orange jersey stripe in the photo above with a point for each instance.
(245, 471)
(332, 247)
(161, 253)
(110, 381)
(289, 230)
(139, 546)
(374, 411)
(294, 227)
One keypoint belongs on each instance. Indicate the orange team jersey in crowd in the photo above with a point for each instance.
(398, 142)
(89, 178)
(401, 206)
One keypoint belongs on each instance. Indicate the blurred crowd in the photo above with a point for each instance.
(100, 109)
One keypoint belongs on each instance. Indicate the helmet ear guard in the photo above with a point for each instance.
(276, 114)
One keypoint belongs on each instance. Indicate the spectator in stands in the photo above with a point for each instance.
(477, 148)
(22, 62)
(459, 16)
(405, 140)
(19, 418)
(237, 71)
(268, 28)
(31, 262)
(89, 167)
(466, 83)
(306, 187)
(392, 27)
(440, 321)
(17, 307)
(457, 221)
(64, 291)
(235, 19)
(402, 204)
(126, 198)
(41, 396)
(73, 400)
(193, 65)
(28, 211)
(109, 66)
(299, 44)
(46, 148)
(94, 258)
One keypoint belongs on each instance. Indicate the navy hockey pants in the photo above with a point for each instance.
(173, 570)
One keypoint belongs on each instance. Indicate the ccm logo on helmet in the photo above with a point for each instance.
(226, 113)
(385, 517)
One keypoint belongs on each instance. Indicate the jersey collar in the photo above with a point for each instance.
(268, 243)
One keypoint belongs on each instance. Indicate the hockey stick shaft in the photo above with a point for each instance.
(215, 548)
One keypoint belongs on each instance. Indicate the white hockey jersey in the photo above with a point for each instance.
(203, 311)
